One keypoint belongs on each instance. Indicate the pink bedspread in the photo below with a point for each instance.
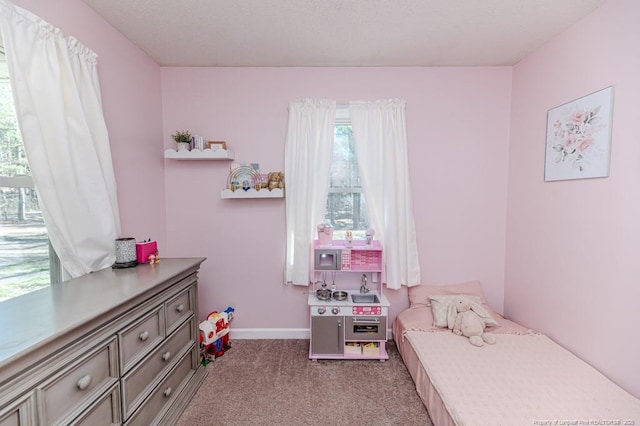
(524, 379)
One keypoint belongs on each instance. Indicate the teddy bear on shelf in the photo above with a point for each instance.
(275, 180)
(467, 318)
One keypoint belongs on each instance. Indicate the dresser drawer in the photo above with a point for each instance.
(11, 418)
(140, 338)
(19, 413)
(77, 385)
(106, 411)
(165, 392)
(179, 308)
(145, 375)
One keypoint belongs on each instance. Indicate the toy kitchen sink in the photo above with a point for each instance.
(364, 298)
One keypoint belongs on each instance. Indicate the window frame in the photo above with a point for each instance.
(56, 270)
(343, 118)
(57, 274)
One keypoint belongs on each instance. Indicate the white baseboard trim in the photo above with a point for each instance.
(269, 333)
(275, 333)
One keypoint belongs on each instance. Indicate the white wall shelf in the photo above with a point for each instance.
(196, 154)
(252, 193)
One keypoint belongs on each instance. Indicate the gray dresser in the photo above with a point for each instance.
(118, 346)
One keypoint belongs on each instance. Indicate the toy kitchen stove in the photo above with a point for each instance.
(335, 307)
(350, 324)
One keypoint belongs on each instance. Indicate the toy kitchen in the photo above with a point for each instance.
(348, 323)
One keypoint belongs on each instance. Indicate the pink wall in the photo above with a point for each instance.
(458, 130)
(570, 257)
(131, 97)
(458, 143)
(570, 246)
(571, 264)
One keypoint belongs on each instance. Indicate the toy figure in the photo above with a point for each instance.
(154, 258)
(214, 334)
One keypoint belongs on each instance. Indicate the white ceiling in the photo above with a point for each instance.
(340, 32)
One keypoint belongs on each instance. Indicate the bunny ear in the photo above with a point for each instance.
(452, 312)
(479, 310)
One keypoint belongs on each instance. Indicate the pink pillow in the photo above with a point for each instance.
(419, 295)
(420, 316)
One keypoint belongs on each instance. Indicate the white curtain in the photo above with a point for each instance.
(307, 164)
(380, 138)
(59, 107)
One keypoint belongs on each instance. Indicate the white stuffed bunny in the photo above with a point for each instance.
(465, 318)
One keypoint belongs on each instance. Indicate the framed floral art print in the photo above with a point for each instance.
(579, 138)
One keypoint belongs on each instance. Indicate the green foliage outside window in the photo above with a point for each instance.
(24, 244)
(346, 209)
(15, 203)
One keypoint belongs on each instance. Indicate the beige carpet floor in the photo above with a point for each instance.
(273, 382)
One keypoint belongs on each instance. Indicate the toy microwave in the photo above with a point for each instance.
(327, 259)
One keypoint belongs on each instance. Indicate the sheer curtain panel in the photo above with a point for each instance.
(58, 102)
(380, 138)
(307, 163)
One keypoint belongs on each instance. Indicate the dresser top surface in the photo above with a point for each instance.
(41, 316)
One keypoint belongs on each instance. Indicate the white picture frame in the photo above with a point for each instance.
(578, 143)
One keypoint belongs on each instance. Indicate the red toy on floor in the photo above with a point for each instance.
(214, 335)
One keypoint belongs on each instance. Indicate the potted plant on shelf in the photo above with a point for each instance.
(183, 139)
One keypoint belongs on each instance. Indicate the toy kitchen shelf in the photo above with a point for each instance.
(349, 324)
(252, 193)
(196, 154)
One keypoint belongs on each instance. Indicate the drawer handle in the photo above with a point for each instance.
(167, 391)
(144, 336)
(180, 308)
(84, 382)
(166, 356)
(366, 320)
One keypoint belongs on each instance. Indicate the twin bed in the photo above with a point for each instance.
(524, 379)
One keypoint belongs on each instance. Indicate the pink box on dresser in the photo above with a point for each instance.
(146, 249)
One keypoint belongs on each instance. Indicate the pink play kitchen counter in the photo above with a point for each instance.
(348, 324)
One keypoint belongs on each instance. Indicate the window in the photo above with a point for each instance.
(346, 209)
(25, 260)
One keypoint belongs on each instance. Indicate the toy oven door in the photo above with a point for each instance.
(365, 328)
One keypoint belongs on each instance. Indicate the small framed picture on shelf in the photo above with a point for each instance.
(216, 145)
